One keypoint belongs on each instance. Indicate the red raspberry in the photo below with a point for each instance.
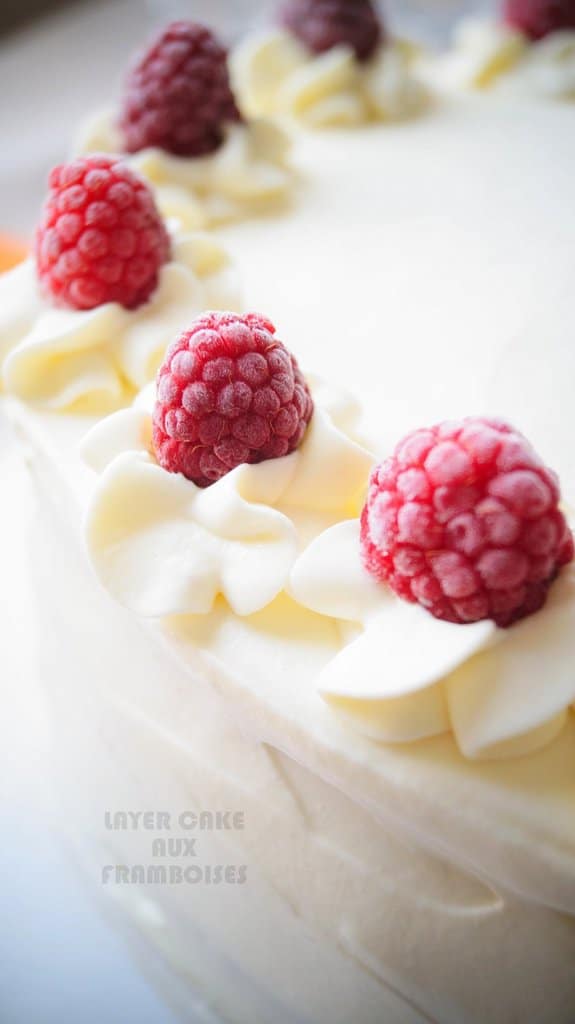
(229, 392)
(537, 18)
(322, 24)
(464, 519)
(101, 238)
(178, 95)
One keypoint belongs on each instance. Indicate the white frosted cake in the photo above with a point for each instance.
(403, 786)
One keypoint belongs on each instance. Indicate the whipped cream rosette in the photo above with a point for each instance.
(164, 546)
(274, 74)
(488, 53)
(247, 174)
(403, 675)
(448, 546)
(96, 359)
(180, 127)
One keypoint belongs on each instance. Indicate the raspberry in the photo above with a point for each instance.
(464, 519)
(229, 392)
(322, 24)
(178, 95)
(537, 18)
(101, 238)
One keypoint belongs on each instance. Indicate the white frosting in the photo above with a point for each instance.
(488, 52)
(249, 172)
(409, 675)
(94, 360)
(163, 546)
(148, 726)
(451, 264)
(274, 74)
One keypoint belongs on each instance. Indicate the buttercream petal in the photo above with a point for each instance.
(251, 167)
(99, 134)
(146, 337)
(332, 471)
(259, 67)
(389, 86)
(128, 430)
(64, 359)
(398, 720)
(521, 685)
(403, 650)
(329, 577)
(322, 77)
(341, 406)
(236, 507)
(153, 553)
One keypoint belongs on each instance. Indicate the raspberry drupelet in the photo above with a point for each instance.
(229, 392)
(101, 238)
(178, 95)
(464, 519)
(322, 24)
(538, 18)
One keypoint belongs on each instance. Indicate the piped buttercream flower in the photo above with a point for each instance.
(164, 545)
(330, 63)
(415, 670)
(84, 324)
(180, 125)
(488, 53)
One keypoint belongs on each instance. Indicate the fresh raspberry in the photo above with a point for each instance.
(322, 24)
(178, 95)
(464, 519)
(537, 18)
(101, 238)
(229, 392)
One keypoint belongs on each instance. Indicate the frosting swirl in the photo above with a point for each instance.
(407, 675)
(248, 173)
(162, 546)
(274, 74)
(487, 53)
(94, 360)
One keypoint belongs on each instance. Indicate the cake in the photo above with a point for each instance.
(395, 861)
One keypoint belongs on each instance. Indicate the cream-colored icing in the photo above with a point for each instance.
(424, 278)
(409, 675)
(333, 886)
(488, 53)
(509, 820)
(94, 360)
(250, 171)
(163, 546)
(453, 341)
(274, 74)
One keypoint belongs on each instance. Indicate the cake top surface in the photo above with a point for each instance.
(423, 264)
